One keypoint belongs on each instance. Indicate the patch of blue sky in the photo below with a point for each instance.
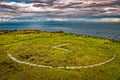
(27, 2)
(14, 0)
(105, 16)
(19, 1)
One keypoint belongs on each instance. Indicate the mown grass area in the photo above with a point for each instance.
(37, 47)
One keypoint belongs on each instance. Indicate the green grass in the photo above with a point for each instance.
(37, 47)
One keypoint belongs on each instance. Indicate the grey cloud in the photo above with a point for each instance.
(77, 9)
(7, 6)
(42, 5)
(117, 2)
(71, 5)
(46, 1)
(3, 0)
(109, 4)
(42, 1)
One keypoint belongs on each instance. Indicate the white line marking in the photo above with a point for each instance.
(67, 67)
(22, 62)
(59, 47)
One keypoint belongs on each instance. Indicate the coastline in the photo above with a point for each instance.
(38, 31)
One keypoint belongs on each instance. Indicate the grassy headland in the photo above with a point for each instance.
(37, 47)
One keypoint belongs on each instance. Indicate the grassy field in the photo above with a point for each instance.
(38, 47)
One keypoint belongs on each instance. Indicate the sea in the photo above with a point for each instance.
(109, 30)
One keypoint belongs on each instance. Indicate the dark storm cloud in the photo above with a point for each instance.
(117, 2)
(71, 5)
(92, 5)
(7, 6)
(113, 3)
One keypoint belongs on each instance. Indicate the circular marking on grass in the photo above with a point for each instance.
(61, 67)
(67, 67)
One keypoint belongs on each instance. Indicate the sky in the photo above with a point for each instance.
(105, 10)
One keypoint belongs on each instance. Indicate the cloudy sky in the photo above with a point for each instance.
(60, 9)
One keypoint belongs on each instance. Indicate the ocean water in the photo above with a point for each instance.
(99, 29)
